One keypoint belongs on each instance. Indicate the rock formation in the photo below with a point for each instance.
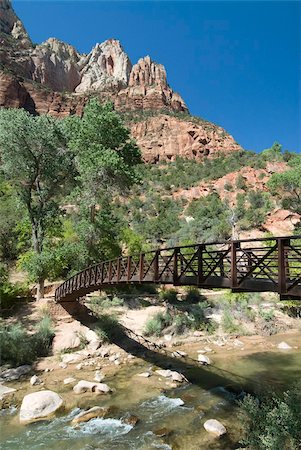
(54, 78)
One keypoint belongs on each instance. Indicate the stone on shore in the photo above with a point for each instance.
(39, 405)
(4, 390)
(215, 427)
(88, 386)
(34, 380)
(203, 359)
(14, 374)
(69, 380)
(284, 346)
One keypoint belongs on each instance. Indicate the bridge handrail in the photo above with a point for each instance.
(229, 243)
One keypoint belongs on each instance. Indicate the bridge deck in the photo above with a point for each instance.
(259, 265)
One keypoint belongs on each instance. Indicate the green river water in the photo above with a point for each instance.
(181, 411)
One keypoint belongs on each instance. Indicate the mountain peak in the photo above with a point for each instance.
(10, 24)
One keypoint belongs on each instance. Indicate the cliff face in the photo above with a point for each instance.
(53, 78)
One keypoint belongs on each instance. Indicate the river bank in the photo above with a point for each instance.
(237, 364)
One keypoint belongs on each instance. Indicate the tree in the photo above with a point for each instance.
(36, 161)
(287, 186)
(106, 158)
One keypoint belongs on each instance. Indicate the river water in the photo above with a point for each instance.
(169, 417)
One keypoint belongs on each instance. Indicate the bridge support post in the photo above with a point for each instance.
(282, 243)
(156, 266)
(200, 251)
(234, 281)
(175, 266)
(141, 267)
(129, 269)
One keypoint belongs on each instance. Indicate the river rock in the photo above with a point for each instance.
(34, 380)
(84, 386)
(92, 413)
(164, 373)
(14, 374)
(284, 346)
(98, 376)
(72, 358)
(130, 419)
(39, 405)
(176, 376)
(4, 390)
(144, 374)
(69, 380)
(67, 339)
(215, 427)
(203, 359)
(93, 339)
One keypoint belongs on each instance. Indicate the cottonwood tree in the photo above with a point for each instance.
(105, 158)
(36, 161)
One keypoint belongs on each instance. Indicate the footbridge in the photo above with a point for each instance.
(250, 265)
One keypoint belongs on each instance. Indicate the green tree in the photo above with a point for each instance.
(287, 186)
(106, 158)
(36, 161)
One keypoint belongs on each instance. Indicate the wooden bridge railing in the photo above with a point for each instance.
(251, 265)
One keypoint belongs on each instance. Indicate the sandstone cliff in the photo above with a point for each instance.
(54, 78)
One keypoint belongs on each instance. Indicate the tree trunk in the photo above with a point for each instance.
(40, 289)
(37, 246)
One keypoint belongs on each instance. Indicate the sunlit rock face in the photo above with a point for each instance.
(54, 78)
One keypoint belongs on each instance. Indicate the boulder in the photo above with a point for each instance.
(88, 386)
(72, 358)
(203, 359)
(92, 413)
(4, 390)
(215, 427)
(14, 374)
(176, 376)
(34, 380)
(164, 373)
(39, 405)
(284, 346)
(63, 340)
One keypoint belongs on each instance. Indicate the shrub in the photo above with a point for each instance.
(19, 347)
(169, 295)
(274, 422)
(193, 295)
(157, 323)
(228, 323)
(107, 326)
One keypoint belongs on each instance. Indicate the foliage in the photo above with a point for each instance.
(169, 295)
(38, 165)
(272, 422)
(157, 323)
(106, 327)
(229, 324)
(18, 347)
(287, 187)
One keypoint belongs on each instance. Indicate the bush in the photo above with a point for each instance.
(157, 323)
(107, 326)
(274, 422)
(169, 295)
(193, 295)
(18, 347)
(228, 323)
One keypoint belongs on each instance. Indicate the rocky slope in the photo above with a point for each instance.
(54, 78)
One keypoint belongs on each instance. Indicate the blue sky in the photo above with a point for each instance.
(237, 64)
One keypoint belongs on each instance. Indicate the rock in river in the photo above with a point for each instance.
(215, 427)
(39, 405)
(85, 416)
(284, 346)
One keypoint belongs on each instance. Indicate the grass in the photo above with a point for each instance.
(18, 347)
